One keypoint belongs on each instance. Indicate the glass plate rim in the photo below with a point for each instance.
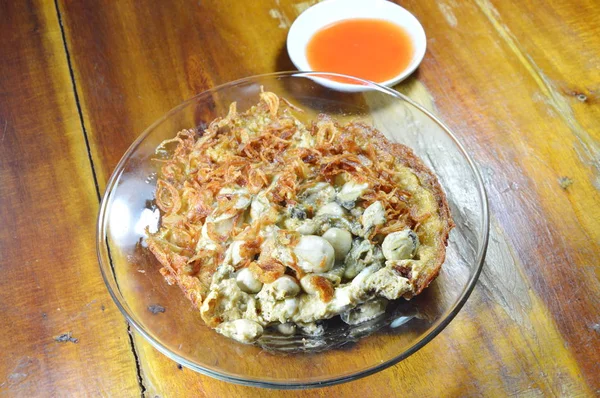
(102, 245)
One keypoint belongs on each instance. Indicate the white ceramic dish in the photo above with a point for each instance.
(330, 11)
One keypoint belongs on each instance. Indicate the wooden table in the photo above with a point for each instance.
(519, 83)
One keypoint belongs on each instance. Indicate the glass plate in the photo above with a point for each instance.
(344, 352)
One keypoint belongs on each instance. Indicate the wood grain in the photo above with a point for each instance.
(517, 82)
(50, 281)
(530, 131)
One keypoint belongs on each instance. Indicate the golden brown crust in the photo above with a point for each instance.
(407, 157)
(203, 211)
(323, 287)
(268, 271)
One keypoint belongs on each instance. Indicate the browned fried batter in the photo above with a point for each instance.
(261, 151)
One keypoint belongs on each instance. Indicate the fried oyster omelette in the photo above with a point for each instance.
(270, 223)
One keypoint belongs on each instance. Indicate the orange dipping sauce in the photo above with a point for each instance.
(372, 49)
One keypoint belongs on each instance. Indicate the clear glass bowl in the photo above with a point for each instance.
(345, 352)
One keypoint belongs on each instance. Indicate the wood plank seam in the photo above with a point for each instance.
(76, 94)
(98, 195)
